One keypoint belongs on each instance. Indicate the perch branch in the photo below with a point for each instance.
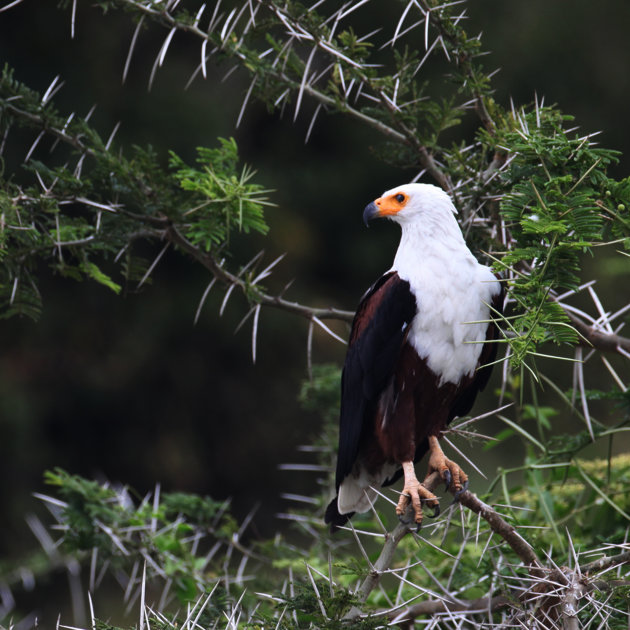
(498, 525)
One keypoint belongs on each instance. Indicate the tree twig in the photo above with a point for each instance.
(606, 342)
(501, 527)
(464, 60)
(252, 292)
(437, 606)
(605, 562)
(39, 122)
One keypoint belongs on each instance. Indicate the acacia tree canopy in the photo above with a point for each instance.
(535, 199)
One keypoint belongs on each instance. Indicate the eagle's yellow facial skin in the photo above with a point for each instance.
(392, 204)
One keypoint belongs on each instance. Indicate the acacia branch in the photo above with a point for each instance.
(605, 562)
(501, 527)
(464, 60)
(167, 20)
(440, 606)
(497, 524)
(575, 581)
(590, 568)
(606, 342)
(39, 122)
(165, 229)
(385, 558)
(397, 131)
(252, 292)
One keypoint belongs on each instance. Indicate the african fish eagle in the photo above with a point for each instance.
(420, 349)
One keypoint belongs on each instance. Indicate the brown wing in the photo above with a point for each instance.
(376, 338)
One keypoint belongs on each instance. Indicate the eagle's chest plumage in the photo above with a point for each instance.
(452, 293)
(440, 355)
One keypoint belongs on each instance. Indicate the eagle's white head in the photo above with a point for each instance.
(431, 239)
(451, 287)
(412, 203)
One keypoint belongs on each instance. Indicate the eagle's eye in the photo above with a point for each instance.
(399, 197)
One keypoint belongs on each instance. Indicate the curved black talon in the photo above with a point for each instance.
(409, 523)
(436, 508)
(436, 511)
(459, 492)
(446, 475)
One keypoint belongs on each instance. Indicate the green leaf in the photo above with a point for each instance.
(91, 270)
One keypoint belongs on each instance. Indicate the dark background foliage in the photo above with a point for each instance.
(126, 388)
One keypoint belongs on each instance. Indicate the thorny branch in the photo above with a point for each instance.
(254, 293)
(498, 525)
(605, 562)
(465, 62)
(397, 130)
(164, 229)
(589, 335)
(435, 607)
(165, 18)
(557, 591)
(600, 340)
(38, 121)
(606, 342)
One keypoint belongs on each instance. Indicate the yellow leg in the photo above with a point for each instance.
(415, 492)
(455, 478)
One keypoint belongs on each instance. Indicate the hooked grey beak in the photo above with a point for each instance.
(371, 211)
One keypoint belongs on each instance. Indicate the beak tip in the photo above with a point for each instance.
(371, 211)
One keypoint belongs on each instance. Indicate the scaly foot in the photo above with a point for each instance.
(454, 477)
(415, 493)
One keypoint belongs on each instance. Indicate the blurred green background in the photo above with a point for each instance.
(127, 388)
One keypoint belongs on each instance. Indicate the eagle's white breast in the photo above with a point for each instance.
(453, 292)
(450, 327)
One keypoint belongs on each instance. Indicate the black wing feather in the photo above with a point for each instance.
(377, 335)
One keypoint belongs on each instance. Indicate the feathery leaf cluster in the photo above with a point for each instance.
(79, 220)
